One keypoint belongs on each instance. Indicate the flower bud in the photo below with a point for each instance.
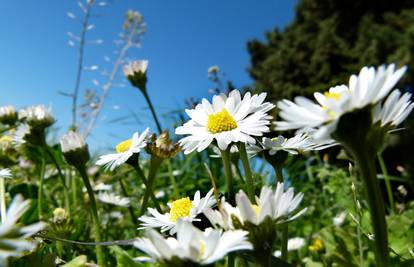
(136, 73)
(162, 146)
(8, 115)
(74, 149)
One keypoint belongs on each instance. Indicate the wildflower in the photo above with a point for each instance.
(14, 237)
(317, 245)
(229, 119)
(74, 149)
(213, 69)
(294, 145)
(37, 116)
(22, 135)
(276, 205)
(102, 187)
(113, 199)
(162, 147)
(339, 219)
(183, 208)
(192, 245)
(8, 115)
(5, 173)
(294, 243)
(136, 73)
(368, 88)
(125, 150)
(59, 215)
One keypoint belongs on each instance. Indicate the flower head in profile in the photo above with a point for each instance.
(8, 115)
(183, 208)
(124, 150)
(192, 245)
(113, 199)
(368, 88)
(297, 144)
(136, 73)
(162, 146)
(277, 205)
(294, 243)
(228, 119)
(5, 173)
(38, 116)
(14, 237)
(74, 149)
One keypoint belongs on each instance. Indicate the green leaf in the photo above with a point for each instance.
(79, 261)
(122, 258)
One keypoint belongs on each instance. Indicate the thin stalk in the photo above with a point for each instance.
(142, 177)
(75, 94)
(387, 181)
(131, 210)
(155, 164)
(151, 107)
(225, 156)
(74, 190)
(285, 238)
(62, 177)
(3, 200)
(40, 189)
(247, 171)
(230, 261)
(94, 212)
(366, 165)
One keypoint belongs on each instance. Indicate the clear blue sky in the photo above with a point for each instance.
(183, 39)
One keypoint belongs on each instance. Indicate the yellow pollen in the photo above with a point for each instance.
(180, 208)
(221, 122)
(317, 245)
(202, 248)
(6, 139)
(256, 209)
(123, 146)
(334, 96)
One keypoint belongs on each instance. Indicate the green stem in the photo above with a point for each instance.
(142, 177)
(172, 179)
(225, 156)
(40, 189)
(366, 165)
(74, 190)
(230, 261)
(155, 164)
(151, 107)
(62, 177)
(3, 200)
(131, 210)
(94, 212)
(285, 238)
(247, 171)
(387, 181)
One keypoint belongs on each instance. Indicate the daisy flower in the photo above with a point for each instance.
(395, 109)
(192, 245)
(5, 173)
(228, 119)
(38, 115)
(294, 145)
(183, 208)
(113, 199)
(137, 66)
(278, 205)
(8, 115)
(124, 151)
(368, 88)
(294, 243)
(14, 240)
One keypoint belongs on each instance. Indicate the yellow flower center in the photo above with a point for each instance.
(123, 146)
(256, 209)
(202, 248)
(5, 139)
(317, 245)
(221, 122)
(180, 208)
(334, 96)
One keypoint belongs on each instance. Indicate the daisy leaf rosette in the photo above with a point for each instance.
(181, 209)
(192, 247)
(124, 151)
(228, 119)
(365, 90)
(14, 237)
